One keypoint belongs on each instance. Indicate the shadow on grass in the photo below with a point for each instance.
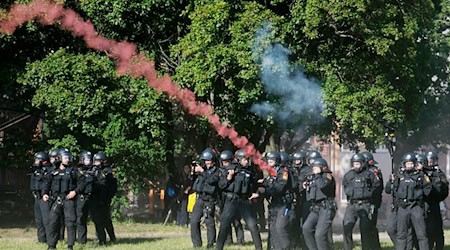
(137, 240)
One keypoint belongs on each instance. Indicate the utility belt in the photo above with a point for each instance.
(234, 196)
(206, 197)
(360, 202)
(287, 198)
(326, 204)
(408, 203)
(83, 197)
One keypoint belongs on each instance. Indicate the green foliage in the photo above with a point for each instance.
(87, 106)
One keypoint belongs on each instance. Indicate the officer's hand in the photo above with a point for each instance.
(260, 181)
(392, 177)
(230, 174)
(71, 195)
(199, 169)
(254, 196)
(305, 184)
(45, 197)
(316, 170)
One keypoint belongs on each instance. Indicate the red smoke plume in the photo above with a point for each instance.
(128, 61)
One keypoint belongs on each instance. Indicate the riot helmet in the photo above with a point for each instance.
(422, 161)
(85, 158)
(275, 156)
(358, 158)
(313, 155)
(226, 155)
(433, 159)
(41, 157)
(300, 157)
(322, 164)
(285, 159)
(65, 156)
(409, 161)
(370, 161)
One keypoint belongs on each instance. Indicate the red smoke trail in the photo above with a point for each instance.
(128, 61)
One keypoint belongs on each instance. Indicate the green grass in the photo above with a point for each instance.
(133, 235)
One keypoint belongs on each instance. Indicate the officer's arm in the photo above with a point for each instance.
(380, 177)
(346, 184)
(111, 183)
(223, 181)
(277, 186)
(426, 185)
(213, 179)
(80, 181)
(376, 183)
(441, 185)
(389, 187)
(324, 181)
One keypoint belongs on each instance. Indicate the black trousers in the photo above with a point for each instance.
(434, 225)
(97, 208)
(182, 214)
(62, 208)
(232, 207)
(41, 218)
(108, 222)
(407, 218)
(374, 234)
(82, 217)
(207, 209)
(317, 228)
(279, 225)
(352, 213)
(238, 228)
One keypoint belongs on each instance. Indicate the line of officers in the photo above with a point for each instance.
(300, 190)
(65, 194)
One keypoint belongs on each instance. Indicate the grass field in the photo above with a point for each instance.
(132, 235)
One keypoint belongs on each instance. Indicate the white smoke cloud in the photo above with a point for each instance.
(296, 98)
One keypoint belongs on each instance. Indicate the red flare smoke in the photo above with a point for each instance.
(128, 61)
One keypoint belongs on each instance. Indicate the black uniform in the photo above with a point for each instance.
(391, 227)
(111, 187)
(85, 179)
(411, 187)
(41, 208)
(236, 193)
(205, 184)
(320, 193)
(376, 201)
(99, 204)
(278, 191)
(359, 186)
(59, 184)
(438, 193)
(236, 223)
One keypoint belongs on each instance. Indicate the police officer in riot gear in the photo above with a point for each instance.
(60, 189)
(294, 219)
(103, 189)
(359, 185)
(301, 171)
(239, 186)
(374, 238)
(85, 179)
(227, 164)
(438, 193)
(320, 188)
(277, 189)
(205, 184)
(411, 187)
(39, 172)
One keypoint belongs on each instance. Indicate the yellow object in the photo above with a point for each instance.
(192, 198)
